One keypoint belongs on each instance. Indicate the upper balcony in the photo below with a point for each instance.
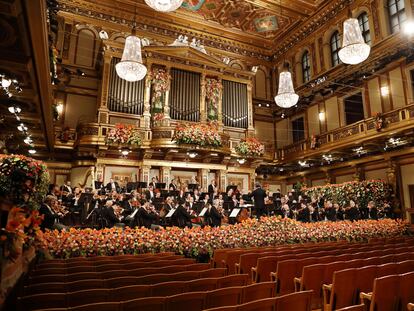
(395, 123)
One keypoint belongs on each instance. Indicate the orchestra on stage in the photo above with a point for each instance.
(156, 206)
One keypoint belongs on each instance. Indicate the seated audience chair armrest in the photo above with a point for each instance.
(410, 307)
(237, 267)
(297, 282)
(273, 276)
(366, 299)
(326, 289)
(254, 274)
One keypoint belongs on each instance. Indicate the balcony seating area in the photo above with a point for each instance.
(324, 276)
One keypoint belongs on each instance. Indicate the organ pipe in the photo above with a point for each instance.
(235, 104)
(123, 96)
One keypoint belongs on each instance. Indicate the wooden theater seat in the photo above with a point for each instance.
(268, 304)
(258, 291)
(300, 301)
(410, 307)
(145, 304)
(193, 301)
(224, 297)
(233, 280)
(385, 294)
(130, 292)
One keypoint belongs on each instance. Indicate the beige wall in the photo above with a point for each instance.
(397, 88)
(79, 108)
(282, 133)
(264, 130)
(313, 120)
(376, 174)
(407, 177)
(332, 113)
(343, 178)
(131, 172)
(374, 96)
(242, 178)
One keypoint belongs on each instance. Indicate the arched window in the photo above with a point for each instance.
(306, 70)
(364, 25)
(396, 14)
(335, 47)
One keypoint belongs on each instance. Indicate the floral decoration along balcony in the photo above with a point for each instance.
(123, 136)
(250, 148)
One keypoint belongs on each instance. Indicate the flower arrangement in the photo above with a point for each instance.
(195, 242)
(158, 116)
(364, 191)
(160, 80)
(197, 134)
(250, 147)
(123, 135)
(213, 92)
(23, 180)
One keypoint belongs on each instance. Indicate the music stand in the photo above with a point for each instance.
(191, 187)
(160, 185)
(235, 212)
(131, 186)
(142, 185)
(171, 213)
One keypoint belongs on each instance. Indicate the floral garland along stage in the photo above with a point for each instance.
(250, 147)
(363, 192)
(198, 241)
(213, 92)
(123, 135)
(160, 80)
(197, 134)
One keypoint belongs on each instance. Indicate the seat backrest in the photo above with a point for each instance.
(406, 289)
(268, 304)
(229, 296)
(102, 306)
(405, 266)
(387, 269)
(122, 281)
(230, 258)
(300, 301)
(265, 265)
(45, 287)
(213, 273)
(227, 308)
(88, 296)
(144, 304)
(193, 301)
(130, 292)
(247, 261)
(259, 291)
(364, 280)
(233, 280)
(342, 293)
(197, 266)
(42, 301)
(202, 284)
(385, 293)
(168, 288)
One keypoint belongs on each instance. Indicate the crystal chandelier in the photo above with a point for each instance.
(354, 49)
(130, 68)
(286, 96)
(164, 5)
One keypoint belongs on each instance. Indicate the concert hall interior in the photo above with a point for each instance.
(206, 154)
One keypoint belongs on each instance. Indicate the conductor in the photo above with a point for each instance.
(258, 195)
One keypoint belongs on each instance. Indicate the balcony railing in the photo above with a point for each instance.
(362, 130)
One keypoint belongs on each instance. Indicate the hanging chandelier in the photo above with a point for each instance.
(131, 68)
(354, 49)
(286, 96)
(164, 5)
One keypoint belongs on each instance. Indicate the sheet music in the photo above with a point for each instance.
(171, 212)
(203, 211)
(234, 212)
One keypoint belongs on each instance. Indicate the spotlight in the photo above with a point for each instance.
(241, 161)
(32, 151)
(282, 116)
(192, 154)
(385, 91)
(14, 109)
(267, 105)
(59, 108)
(5, 82)
(28, 140)
(124, 151)
(260, 105)
(80, 72)
(22, 127)
(302, 163)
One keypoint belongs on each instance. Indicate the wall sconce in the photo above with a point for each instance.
(385, 91)
(192, 154)
(322, 116)
(241, 161)
(59, 108)
(124, 151)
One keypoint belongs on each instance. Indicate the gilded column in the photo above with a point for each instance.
(167, 98)
(205, 179)
(145, 174)
(103, 111)
(203, 108)
(146, 116)
(250, 107)
(220, 105)
(165, 174)
(223, 180)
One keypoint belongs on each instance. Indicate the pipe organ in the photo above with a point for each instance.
(124, 96)
(235, 104)
(184, 98)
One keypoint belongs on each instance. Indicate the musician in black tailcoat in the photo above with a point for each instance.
(181, 217)
(212, 188)
(258, 195)
(372, 210)
(112, 186)
(213, 216)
